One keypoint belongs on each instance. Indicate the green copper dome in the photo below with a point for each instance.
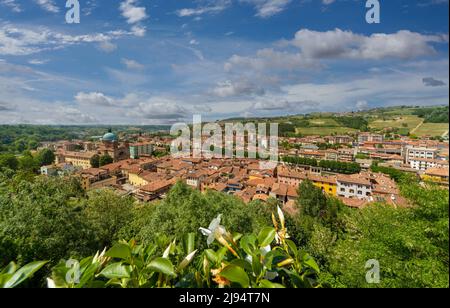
(109, 137)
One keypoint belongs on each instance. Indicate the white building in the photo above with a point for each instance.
(420, 153)
(424, 164)
(354, 187)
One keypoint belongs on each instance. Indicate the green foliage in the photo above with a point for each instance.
(329, 165)
(185, 210)
(105, 160)
(95, 161)
(411, 244)
(300, 161)
(340, 167)
(9, 161)
(232, 261)
(27, 162)
(433, 114)
(395, 174)
(38, 220)
(107, 214)
(356, 122)
(45, 157)
(11, 276)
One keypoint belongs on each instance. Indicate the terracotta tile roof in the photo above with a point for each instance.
(354, 203)
(441, 172)
(358, 179)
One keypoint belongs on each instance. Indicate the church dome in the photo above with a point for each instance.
(109, 137)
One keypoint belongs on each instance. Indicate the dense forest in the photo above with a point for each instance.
(323, 244)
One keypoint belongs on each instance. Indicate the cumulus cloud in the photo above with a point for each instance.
(346, 44)
(94, 98)
(237, 88)
(161, 109)
(431, 82)
(267, 59)
(131, 12)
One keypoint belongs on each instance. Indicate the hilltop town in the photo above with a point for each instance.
(348, 167)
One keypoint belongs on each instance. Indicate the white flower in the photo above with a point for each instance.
(213, 230)
(51, 284)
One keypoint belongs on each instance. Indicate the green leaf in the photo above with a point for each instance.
(9, 269)
(248, 244)
(23, 273)
(242, 264)
(116, 270)
(266, 236)
(256, 265)
(189, 243)
(211, 255)
(292, 247)
(88, 274)
(309, 261)
(162, 265)
(236, 274)
(120, 251)
(266, 284)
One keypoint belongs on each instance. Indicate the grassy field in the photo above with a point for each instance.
(323, 131)
(432, 129)
(324, 122)
(396, 122)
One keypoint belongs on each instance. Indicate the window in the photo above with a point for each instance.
(342, 189)
(360, 192)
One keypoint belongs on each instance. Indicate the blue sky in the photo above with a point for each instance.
(159, 62)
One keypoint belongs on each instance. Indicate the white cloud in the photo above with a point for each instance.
(138, 31)
(269, 59)
(12, 4)
(346, 44)
(48, 5)
(107, 46)
(237, 88)
(132, 64)
(94, 98)
(268, 8)
(38, 61)
(131, 12)
(208, 7)
(19, 41)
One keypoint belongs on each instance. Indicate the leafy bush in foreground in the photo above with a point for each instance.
(237, 261)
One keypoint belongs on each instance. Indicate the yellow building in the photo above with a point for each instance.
(437, 175)
(327, 184)
(77, 159)
(136, 179)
